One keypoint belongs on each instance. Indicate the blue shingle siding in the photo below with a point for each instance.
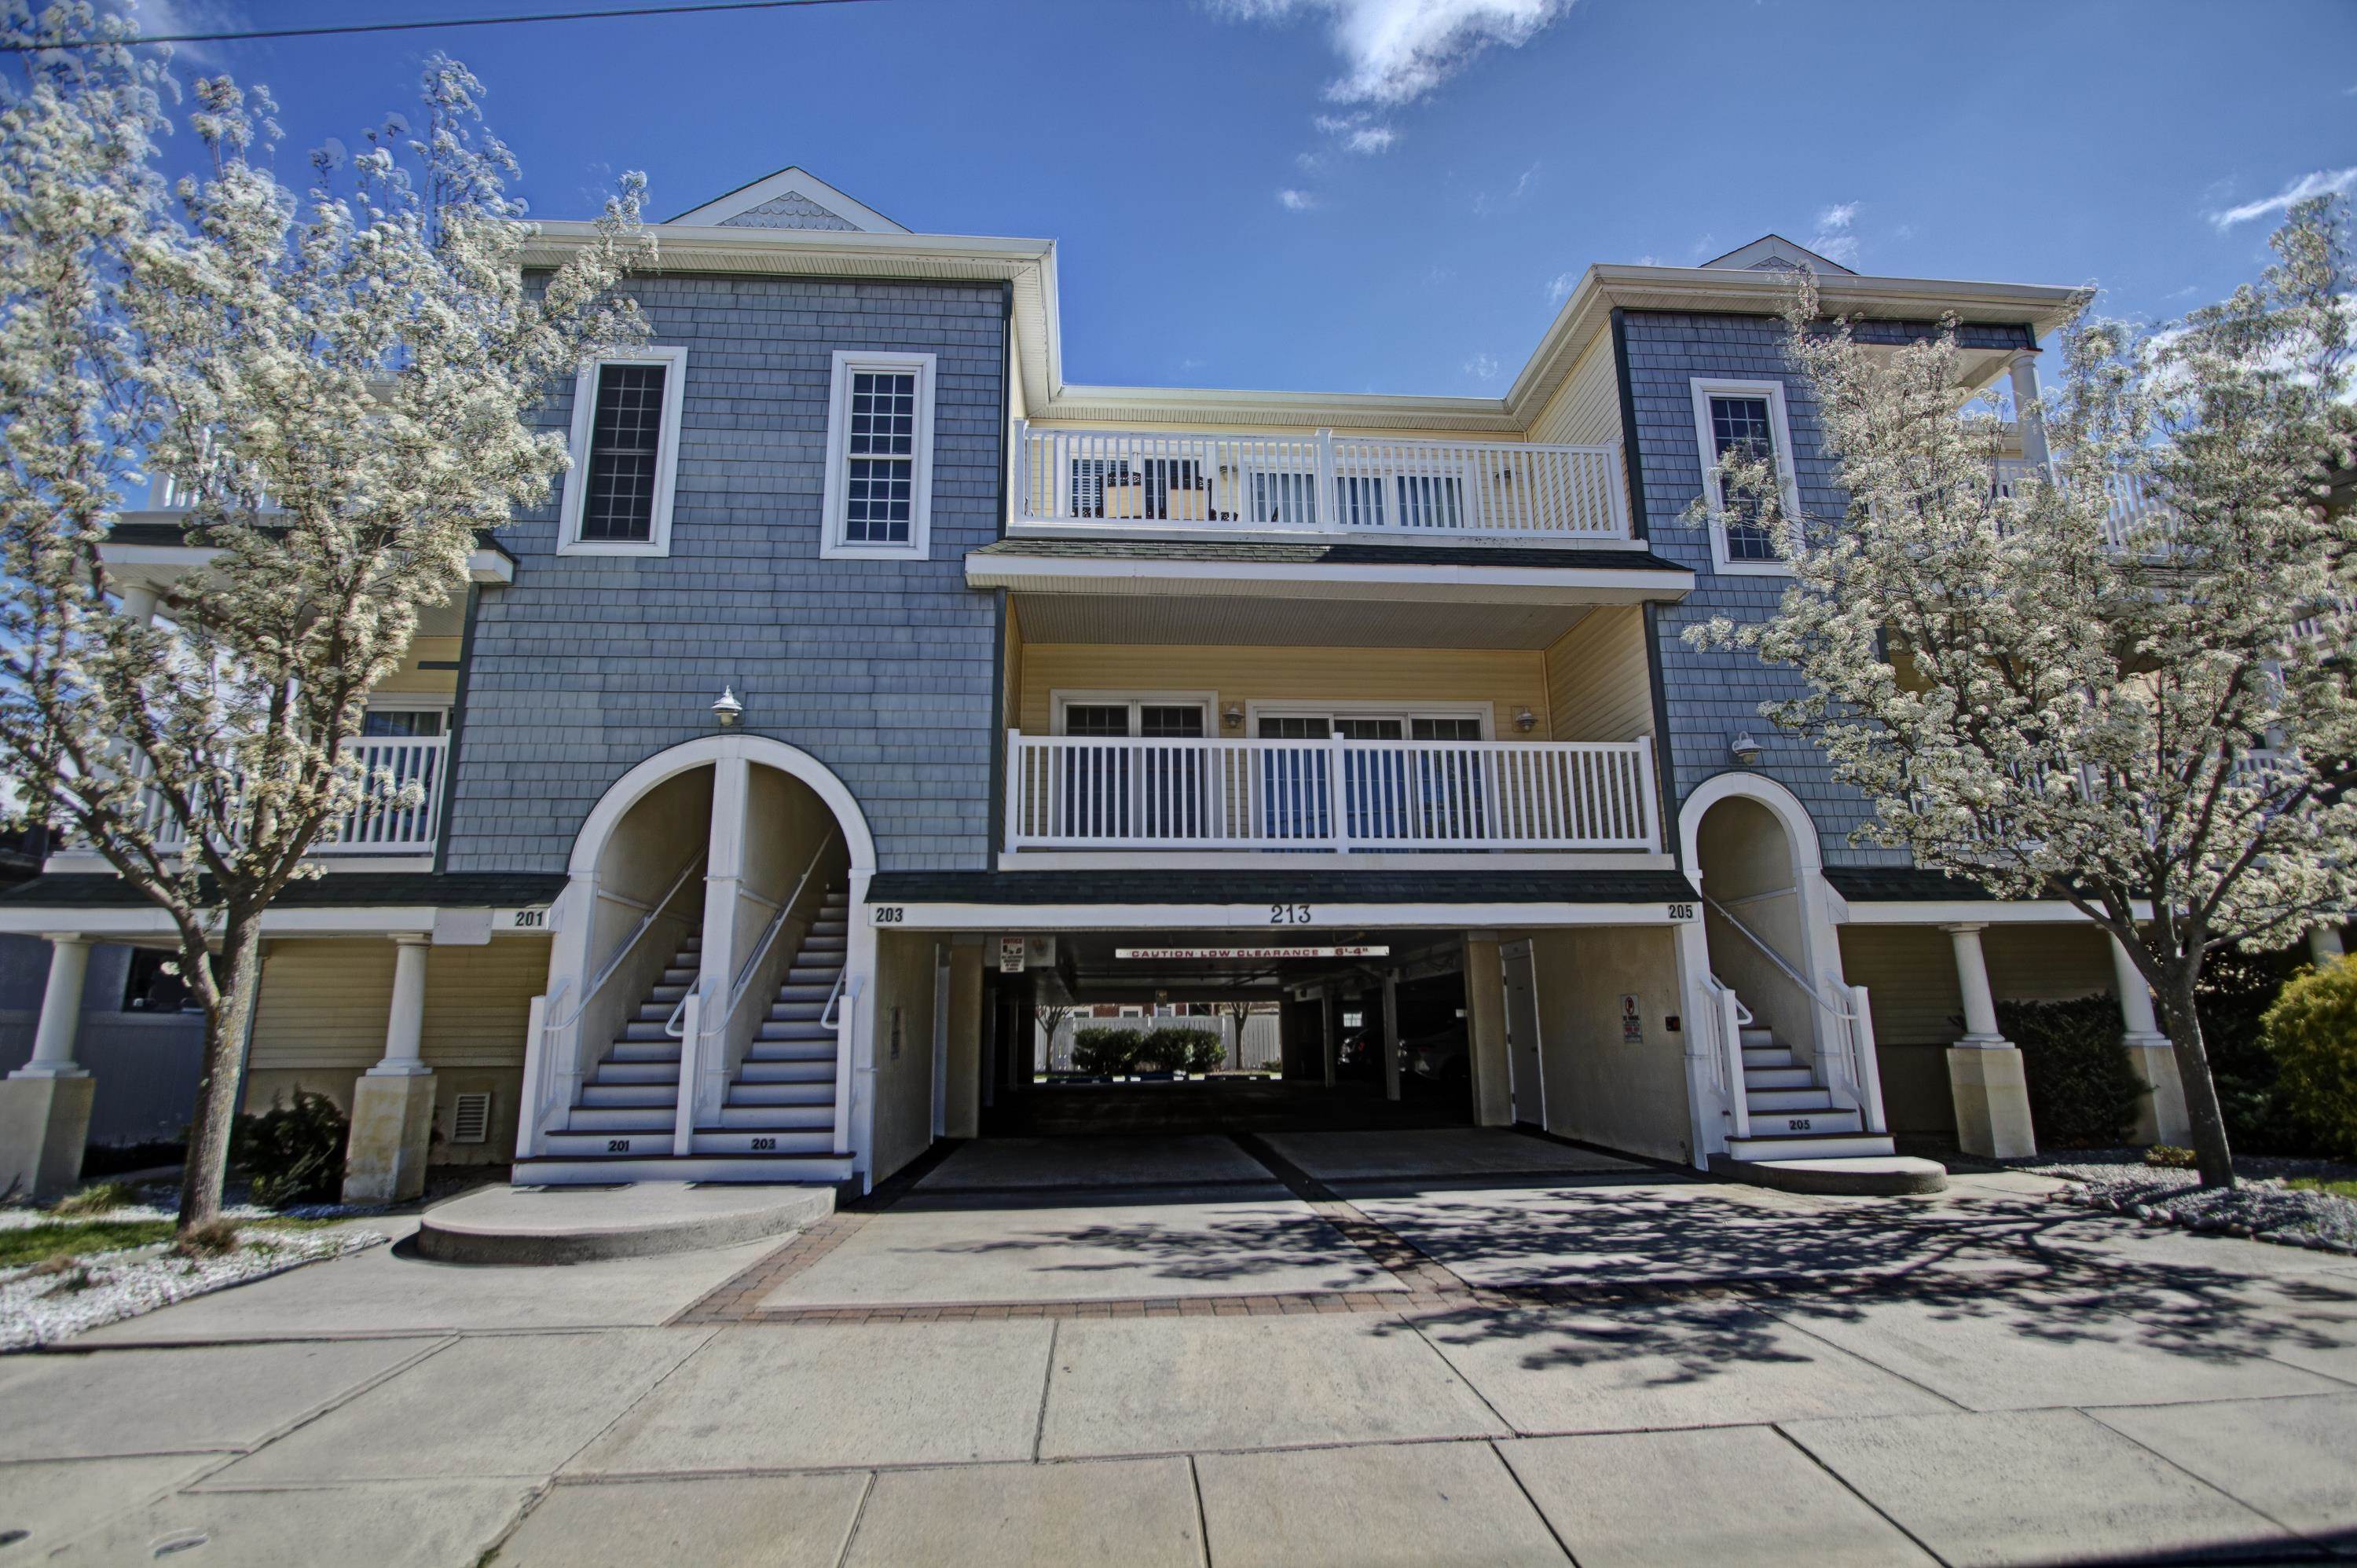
(1712, 695)
(883, 669)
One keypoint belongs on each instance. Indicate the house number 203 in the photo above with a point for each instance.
(1289, 914)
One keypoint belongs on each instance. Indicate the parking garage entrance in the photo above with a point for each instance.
(1221, 1031)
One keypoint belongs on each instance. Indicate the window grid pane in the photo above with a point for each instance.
(879, 489)
(1740, 426)
(625, 437)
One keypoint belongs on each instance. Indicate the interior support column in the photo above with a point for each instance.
(1485, 1031)
(2161, 1116)
(45, 1105)
(2026, 417)
(1984, 1068)
(392, 1104)
(1327, 1015)
(1390, 1035)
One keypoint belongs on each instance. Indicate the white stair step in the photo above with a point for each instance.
(1760, 1100)
(1785, 1123)
(737, 1140)
(765, 1050)
(1810, 1146)
(793, 991)
(775, 1118)
(813, 1092)
(612, 1094)
(756, 1070)
(637, 1072)
(1778, 1078)
(594, 1146)
(823, 976)
(681, 974)
(644, 1051)
(606, 1170)
(1756, 1038)
(621, 1119)
(1763, 1056)
(644, 1033)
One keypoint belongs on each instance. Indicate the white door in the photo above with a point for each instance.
(1522, 1034)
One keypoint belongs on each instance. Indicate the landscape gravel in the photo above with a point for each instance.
(2263, 1205)
(40, 1305)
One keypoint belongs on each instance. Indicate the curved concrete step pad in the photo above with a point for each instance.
(1878, 1176)
(558, 1225)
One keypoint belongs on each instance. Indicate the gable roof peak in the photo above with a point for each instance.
(793, 198)
(1775, 253)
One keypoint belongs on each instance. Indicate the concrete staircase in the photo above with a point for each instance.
(781, 1101)
(1793, 1112)
(629, 1106)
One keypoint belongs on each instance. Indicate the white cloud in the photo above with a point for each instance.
(1482, 367)
(1296, 200)
(1360, 133)
(1559, 286)
(2323, 182)
(1396, 51)
(1833, 240)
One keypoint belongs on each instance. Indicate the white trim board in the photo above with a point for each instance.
(1563, 860)
(848, 364)
(952, 917)
(576, 485)
(1705, 388)
(1431, 583)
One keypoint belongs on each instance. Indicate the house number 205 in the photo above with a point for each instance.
(1289, 914)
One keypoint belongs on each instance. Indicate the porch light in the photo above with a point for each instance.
(1232, 716)
(1745, 749)
(727, 710)
(1526, 719)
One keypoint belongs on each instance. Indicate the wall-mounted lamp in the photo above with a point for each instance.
(1232, 717)
(727, 710)
(1745, 749)
(1526, 719)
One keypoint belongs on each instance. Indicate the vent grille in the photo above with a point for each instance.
(470, 1119)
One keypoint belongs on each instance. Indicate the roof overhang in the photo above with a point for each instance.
(1409, 582)
(148, 564)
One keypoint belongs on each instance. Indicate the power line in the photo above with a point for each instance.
(688, 10)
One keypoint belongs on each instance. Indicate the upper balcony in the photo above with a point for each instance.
(1213, 484)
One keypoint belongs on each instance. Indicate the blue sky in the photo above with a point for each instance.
(1388, 195)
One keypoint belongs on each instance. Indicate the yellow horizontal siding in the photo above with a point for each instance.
(1586, 410)
(1504, 680)
(410, 680)
(1598, 679)
(1910, 972)
(324, 1003)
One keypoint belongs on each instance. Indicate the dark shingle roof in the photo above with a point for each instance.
(1886, 884)
(174, 533)
(1154, 886)
(1353, 552)
(345, 889)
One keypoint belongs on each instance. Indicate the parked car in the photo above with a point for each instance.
(1440, 1056)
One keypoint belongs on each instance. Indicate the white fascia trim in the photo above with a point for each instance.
(1412, 581)
(831, 544)
(1965, 912)
(492, 567)
(1705, 388)
(1255, 917)
(1328, 860)
(585, 397)
(1066, 528)
(130, 920)
(483, 564)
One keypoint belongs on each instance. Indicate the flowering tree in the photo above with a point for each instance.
(2149, 716)
(337, 382)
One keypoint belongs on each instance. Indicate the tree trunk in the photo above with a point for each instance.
(2215, 1160)
(224, 1072)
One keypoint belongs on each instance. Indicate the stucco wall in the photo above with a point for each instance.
(1600, 1088)
(904, 1049)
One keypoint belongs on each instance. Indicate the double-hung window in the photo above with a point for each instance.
(1743, 420)
(617, 493)
(879, 457)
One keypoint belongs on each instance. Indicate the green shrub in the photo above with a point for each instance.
(292, 1153)
(2172, 1157)
(1180, 1050)
(1104, 1052)
(2312, 1032)
(2083, 1093)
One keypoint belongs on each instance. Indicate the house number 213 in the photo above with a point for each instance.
(1289, 914)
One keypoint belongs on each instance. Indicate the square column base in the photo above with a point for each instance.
(1992, 1101)
(44, 1124)
(392, 1130)
(2161, 1116)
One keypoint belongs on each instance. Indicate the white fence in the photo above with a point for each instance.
(1258, 1051)
(1320, 483)
(1079, 792)
(392, 819)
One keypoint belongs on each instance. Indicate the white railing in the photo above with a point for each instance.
(400, 800)
(1845, 1054)
(1723, 1020)
(1085, 792)
(717, 1052)
(1320, 483)
(2131, 514)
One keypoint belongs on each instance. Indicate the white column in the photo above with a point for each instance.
(2135, 1000)
(1390, 1035)
(1971, 979)
(405, 1025)
(2031, 423)
(2323, 944)
(139, 603)
(53, 1038)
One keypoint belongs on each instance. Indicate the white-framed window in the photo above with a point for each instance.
(1742, 417)
(617, 493)
(879, 457)
(1142, 716)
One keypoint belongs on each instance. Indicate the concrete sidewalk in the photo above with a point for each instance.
(1977, 1378)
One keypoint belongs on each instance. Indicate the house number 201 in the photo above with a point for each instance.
(1289, 914)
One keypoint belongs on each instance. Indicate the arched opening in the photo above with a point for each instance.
(704, 978)
(1755, 917)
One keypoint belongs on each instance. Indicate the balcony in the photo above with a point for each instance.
(2131, 514)
(1337, 796)
(389, 820)
(1204, 483)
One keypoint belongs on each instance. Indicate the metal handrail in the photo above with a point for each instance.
(1852, 1017)
(776, 923)
(631, 943)
(826, 1018)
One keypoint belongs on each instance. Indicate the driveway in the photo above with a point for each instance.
(1292, 1349)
